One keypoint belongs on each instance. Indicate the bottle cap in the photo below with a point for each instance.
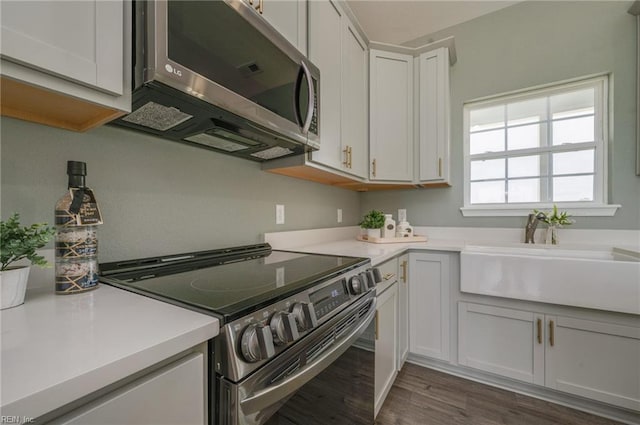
(76, 168)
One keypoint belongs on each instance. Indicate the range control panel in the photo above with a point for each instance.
(245, 344)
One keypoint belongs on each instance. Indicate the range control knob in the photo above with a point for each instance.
(357, 284)
(368, 281)
(305, 315)
(257, 343)
(377, 276)
(284, 328)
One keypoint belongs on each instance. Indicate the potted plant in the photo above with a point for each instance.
(19, 243)
(554, 221)
(373, 221)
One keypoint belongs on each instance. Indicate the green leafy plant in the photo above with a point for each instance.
(373, 220)
(17, 242)
(554, 218)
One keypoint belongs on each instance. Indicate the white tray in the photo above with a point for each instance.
(415, 238)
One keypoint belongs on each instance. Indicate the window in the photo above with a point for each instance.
(537, 148)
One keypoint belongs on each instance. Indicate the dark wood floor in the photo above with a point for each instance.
(422, 396)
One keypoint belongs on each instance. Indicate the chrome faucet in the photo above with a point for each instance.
(532, 224)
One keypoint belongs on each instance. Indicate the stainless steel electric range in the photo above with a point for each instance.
(296, 339)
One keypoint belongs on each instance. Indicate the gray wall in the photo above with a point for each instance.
(525, 45)
(156, 196)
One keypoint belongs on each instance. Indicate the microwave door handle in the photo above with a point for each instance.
(312, 99)
(296, 98)
(272, 395)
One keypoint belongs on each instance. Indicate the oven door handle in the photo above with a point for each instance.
(283, 389)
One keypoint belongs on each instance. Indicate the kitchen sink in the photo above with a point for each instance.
(589, 277)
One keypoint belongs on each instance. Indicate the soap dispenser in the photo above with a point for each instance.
(389, 229)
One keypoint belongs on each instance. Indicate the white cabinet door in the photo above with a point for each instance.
(173, 395)
(434, 115)
(391, 116)
(79, 41)
(502, 341)
(597, 360)
(289, 17)
(325, 51)
(403, 309)
(386, 344)
(354, 103)
(429, 305)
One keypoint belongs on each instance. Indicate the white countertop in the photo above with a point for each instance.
(378, 253)
(59, 348)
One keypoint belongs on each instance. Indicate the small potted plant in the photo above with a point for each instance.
(19, 243)
(373, 221)
(554, 221)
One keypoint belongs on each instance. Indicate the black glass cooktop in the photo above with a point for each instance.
(231, 282)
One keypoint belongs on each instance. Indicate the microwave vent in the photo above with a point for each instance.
(156, 116)
(271, 153)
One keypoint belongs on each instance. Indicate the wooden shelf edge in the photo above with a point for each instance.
(35, 104)
(310, 173)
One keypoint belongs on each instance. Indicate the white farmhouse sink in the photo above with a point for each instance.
(603, 279)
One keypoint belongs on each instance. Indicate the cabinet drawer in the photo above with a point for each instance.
(389, 272)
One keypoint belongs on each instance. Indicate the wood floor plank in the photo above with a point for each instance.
(422, 396)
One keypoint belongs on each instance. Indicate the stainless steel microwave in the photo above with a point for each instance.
(215, 74)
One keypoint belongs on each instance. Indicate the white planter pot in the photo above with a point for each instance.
(373, 233)
(13, 285)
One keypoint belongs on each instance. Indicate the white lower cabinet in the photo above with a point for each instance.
(597, 360)
(174, 394)
(593, 359)
(502, 341)
(386, 343)
(403, 309)
(429, 305)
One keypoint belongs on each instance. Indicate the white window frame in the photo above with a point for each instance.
(597, 207)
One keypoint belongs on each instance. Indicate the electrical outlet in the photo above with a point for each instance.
(402, 215)
(339, 215)
(279, 214)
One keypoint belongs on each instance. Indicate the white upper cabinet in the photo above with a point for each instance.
(354, 102)
(66, 63)
(79, 41)
(341, 54)
(289, 17)
(325, 51)
(391, 116)
(434, 116)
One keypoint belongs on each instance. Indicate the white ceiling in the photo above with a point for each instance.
(400, 21)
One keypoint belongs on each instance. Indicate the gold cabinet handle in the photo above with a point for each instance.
(376, 325)
(551, 333)
(539, 324)
(345, 151)
(259, 7)
(388, 276)
(404, 271)
(350, 153)
(439, 163)
(373, 165)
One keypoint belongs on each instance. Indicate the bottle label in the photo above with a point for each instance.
(87, 214)
(76, 276)
(76, 242)
(76, 283)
